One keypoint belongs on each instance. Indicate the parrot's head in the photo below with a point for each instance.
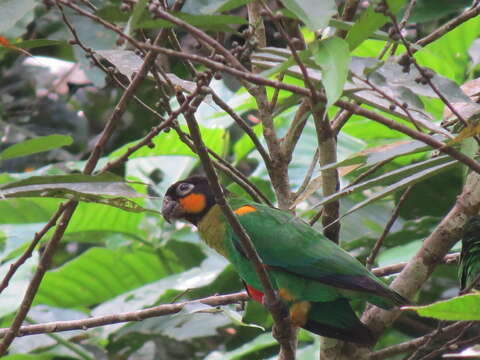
(188, 199)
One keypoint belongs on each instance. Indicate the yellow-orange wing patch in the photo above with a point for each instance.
(245, 210)
(286, 295)
(193, 203)
(299, 313)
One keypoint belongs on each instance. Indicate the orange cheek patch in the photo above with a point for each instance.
(245, 210)
(193, 203)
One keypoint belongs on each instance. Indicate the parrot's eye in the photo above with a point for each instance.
(184, 188)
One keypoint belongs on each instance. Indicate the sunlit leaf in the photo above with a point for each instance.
(460, 308)
(333, 57)
(370, 21)
(100, 274)
(36, 145)
(315, 14)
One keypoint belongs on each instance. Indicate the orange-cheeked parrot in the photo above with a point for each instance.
(313, 276)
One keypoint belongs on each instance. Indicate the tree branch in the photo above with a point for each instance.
(160, 310)
(433, 250)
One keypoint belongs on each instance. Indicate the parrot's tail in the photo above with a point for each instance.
(358, 334)
(336, 319)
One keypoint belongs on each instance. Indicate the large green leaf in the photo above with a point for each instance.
(448, 55)
(90, 219)
(149, 295)
(333, 57)
(105, 189)
(369, 22)
(461, 308)
(100, 274)
(259, 343)
(315, 14)
(23, 210)
(36, 145)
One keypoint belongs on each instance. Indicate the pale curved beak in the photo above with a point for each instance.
(171, 209)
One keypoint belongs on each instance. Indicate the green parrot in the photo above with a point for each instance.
(314, 277)
(469, 268)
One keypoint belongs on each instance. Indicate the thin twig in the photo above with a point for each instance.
(348, 13)
(412, 344)
(200, 36)
(426, 76)
(386, 230)
(240, 122)
(308, 175)
(442, 30)
(295, 130)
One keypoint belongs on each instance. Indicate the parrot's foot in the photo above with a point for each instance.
(275, 306)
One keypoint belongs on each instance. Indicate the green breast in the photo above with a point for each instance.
(212, 230)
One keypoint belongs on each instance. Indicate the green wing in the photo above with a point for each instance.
(469, 268)
(304, 262)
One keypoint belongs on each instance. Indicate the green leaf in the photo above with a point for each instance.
(12, 11)
(91, 222)
(259, 343)
(369, 22)
(30, 357)
(245, 145)
(315, 14)
(137, 13)
(448, 55)
(399, 253)
(106, 189)
(400, 178)
(460, 308)
(33, 146)
(381, 153)
(224, 5)
(100, 274)
(413, 179)
(236, 318)
(333, 57)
